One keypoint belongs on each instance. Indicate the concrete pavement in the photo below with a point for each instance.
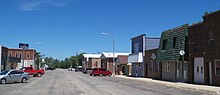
(195, 87)
(64, 82)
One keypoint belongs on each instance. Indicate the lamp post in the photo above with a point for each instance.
(113, 46)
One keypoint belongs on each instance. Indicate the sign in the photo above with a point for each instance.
(182, 52)
(23, 45)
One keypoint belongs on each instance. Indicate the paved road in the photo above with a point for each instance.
(63, 82)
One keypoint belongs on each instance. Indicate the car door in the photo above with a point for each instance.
(104, 72)
(12, 76)
(18, 75)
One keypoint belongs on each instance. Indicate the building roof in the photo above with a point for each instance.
(122, 59)
(20, 49)
(92, 55)
(110, 54)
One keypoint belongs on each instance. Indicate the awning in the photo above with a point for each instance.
(129, 63)
(135, 58)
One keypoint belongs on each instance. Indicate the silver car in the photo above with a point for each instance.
(11, 76)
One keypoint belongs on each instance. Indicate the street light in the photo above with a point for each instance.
(113, 44)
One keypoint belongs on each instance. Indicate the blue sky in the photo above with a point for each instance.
(60, 28)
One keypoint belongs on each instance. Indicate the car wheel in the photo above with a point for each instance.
(3, 81)
(24, 80)
(100, 75)
(39, 74)
(110, 75)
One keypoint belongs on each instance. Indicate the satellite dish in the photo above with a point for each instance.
(182, 52)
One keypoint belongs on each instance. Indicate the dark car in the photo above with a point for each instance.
(78, 69)
(51, 68)
(100, 72)
(87, 70)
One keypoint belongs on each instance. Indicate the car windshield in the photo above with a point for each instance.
(4, 72)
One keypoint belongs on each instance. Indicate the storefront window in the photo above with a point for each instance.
(217, 68)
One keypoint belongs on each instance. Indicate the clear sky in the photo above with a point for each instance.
(60, 28)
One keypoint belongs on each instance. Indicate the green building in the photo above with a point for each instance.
(172, 54)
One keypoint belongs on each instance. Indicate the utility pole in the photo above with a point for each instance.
(113, 47)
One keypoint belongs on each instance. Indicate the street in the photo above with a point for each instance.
(64, 82)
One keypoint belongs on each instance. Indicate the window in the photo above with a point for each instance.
(101, 69)
(151, 65)
(28, 55)
(174, 42)
(164, 44)
(13, 72)
(20, 55)
(136, 48)
(201, 70)
(157, 66)
(139, 64)
(211, 43)
(16, 54)
(185, 66)
(217, 68)
(167, 68)
(10, 54)
(197, 69)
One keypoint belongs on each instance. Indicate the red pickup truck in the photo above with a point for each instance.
(32, 71)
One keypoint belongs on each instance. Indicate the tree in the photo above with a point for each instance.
(66, 63)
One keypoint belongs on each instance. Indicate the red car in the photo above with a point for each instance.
(100, 72)
(32, 71)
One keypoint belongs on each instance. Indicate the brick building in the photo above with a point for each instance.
(92, 60)
(29, 56)
(204, 50)
(107, 59)
(3, 58)
(153, 68)
(123, 67)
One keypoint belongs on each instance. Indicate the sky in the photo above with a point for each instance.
(61, 28)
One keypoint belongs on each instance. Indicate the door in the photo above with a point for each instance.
(199, 70)
(185, 71)
(13, 77)
(123, 70)
(210, 73)
(177, 70)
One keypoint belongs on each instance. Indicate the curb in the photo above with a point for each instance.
(174, 84)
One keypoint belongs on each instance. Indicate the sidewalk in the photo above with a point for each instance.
(201, 88)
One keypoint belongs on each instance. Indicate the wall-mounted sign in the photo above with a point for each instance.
(182, 52)
(23, 45)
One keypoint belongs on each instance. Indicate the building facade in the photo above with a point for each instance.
(138, 46)
(107, 61)
(153, 67)
(172, 54)
(29, 57)
(92, 60)
(123, 67)
(204, 53)
(3, 58)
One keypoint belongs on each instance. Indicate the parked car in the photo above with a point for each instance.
(100, 72)
(11, 76)
(51, 68)
(70, 69)
(31, 71)
(87, 70)
(78, 69)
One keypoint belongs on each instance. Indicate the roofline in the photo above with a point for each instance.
(176, 27)
(138, 36)
(211, 13)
